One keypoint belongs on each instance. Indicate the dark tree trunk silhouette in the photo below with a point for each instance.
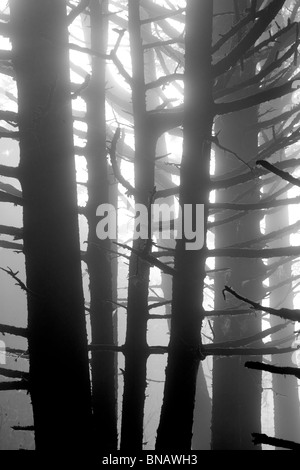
(97, 257)
(285, 389)
(136, 353)
(175, 428)
(59, 373)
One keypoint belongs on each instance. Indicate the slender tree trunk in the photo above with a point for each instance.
(59, 372)
(137, 308)
(285, 388)
(236, 392)
(97, 258)
(202, 414)
(175, 428)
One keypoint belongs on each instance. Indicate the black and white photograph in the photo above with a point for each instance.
(149, 228)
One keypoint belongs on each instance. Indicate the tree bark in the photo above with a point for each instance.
(236, 395)
(57, 337)
(97, 258)
(175, 428)
(139, 270)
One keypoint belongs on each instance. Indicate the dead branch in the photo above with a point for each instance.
(164, 16)
(76, 11)
(274, 441)
(286, 313)
(255, 206)
(13, 330)
(81, 87)
(15, 232)
(23, 428)
(13, 374)
(14, 385)
(5, 134)
(250, 339)
(156, 44)
(273, 369)
(159, 304)
(224, 312)
(9, 116)
(150, 259)
(162, 81)
(131, 191)
(265, 17)
(234, 30)
(87, 50)
(19, 283)
(271, 93)
(9, 171)
(263, 351)
(18, 247)
(265, 253)
(283, 174)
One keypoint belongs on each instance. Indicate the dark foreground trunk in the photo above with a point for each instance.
(136, 354)
(175, 428)
(59, 373)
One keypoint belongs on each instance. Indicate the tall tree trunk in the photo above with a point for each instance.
(137, 308)
(59, 372)
(97, 258)
(175, 428)
(236, 391)
(285, 389)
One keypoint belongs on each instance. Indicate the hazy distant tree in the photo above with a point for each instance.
(236, 392)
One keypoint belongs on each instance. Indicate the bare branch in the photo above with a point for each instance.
(6, 197)
(255, 206)
(11, 246)
(150, 259)
(5, 134)
(13, 374)
(274, 441)
(87, 50)
(271, 93)
(23, 428)
(14, 385)
(121, 68)
(8, 116)
(264, 253)
(13, 330)
(286, 313)
(273, 369)
(164, 80)
(164, 16)
(19, 283)
(116, 170)
(153, 45)
(263, 351)
(265, 17)
(81, 87)
(283, 174)
(9, 171)
(234, 30)
(250, 339)
(76, 11)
